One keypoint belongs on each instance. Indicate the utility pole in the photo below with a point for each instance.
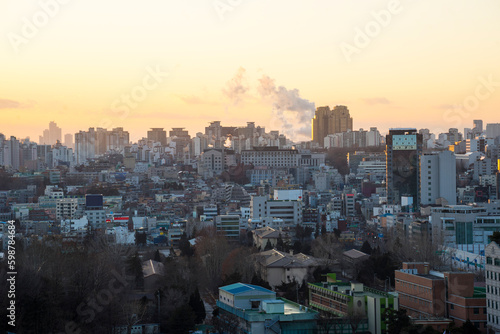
(159, 306)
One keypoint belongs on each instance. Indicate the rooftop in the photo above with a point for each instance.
(238, 288)
(268, 148)
(429, 276)
(152, 267)
(355, 254)
(277, 259)
(367, 291)
(268, 232)
(292, 312)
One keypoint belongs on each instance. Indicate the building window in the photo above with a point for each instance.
(452, 306)
(476, 310)
(497, 262)
(488, 260)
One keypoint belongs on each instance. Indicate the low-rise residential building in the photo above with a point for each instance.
(262, 236)
(352, 261)
(277, 267)
(153, 272)
(230, 225)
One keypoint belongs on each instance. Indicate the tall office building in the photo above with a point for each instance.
(95, 142)
(179, 132)
(116, 140)
(68, 140)
(85, 145)
(492, 130)
(476, 131)
(2, 143)
(158, 135)
(10, 152)
(214, 130)
(182, 139)
(51, 135)
(478, 126)
(438, 178)
(326, 122)
(403, 151)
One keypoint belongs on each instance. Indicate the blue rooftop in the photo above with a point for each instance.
(238, 288)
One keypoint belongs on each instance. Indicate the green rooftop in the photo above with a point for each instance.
(367, 291)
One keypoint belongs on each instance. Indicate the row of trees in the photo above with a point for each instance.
(97, 287)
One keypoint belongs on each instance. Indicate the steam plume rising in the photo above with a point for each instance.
(236, 87)
(293, 112)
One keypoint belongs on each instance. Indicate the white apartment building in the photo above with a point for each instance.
(271, 157)
(97, 218)
(463, 227)
(492, 130)
(289, 211)
(438, 178)
(69, 208)
(62, 154)
(212, 163)
(484, 166)
(492, 273)
(478, 144)
(372, 167)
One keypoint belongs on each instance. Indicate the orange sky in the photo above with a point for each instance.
(393, 63)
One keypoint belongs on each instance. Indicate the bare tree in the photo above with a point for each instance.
(327, 321)
(212, 249)
(354, 318)
(328, 247)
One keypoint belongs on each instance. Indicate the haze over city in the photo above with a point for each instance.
(414, 65)
(234, 166)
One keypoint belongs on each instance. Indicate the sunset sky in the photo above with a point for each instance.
(414, 64)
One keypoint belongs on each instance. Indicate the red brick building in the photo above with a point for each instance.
(428, 294)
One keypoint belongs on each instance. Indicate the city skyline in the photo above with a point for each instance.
(490, 130)
(232, 166)
(212, 75)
